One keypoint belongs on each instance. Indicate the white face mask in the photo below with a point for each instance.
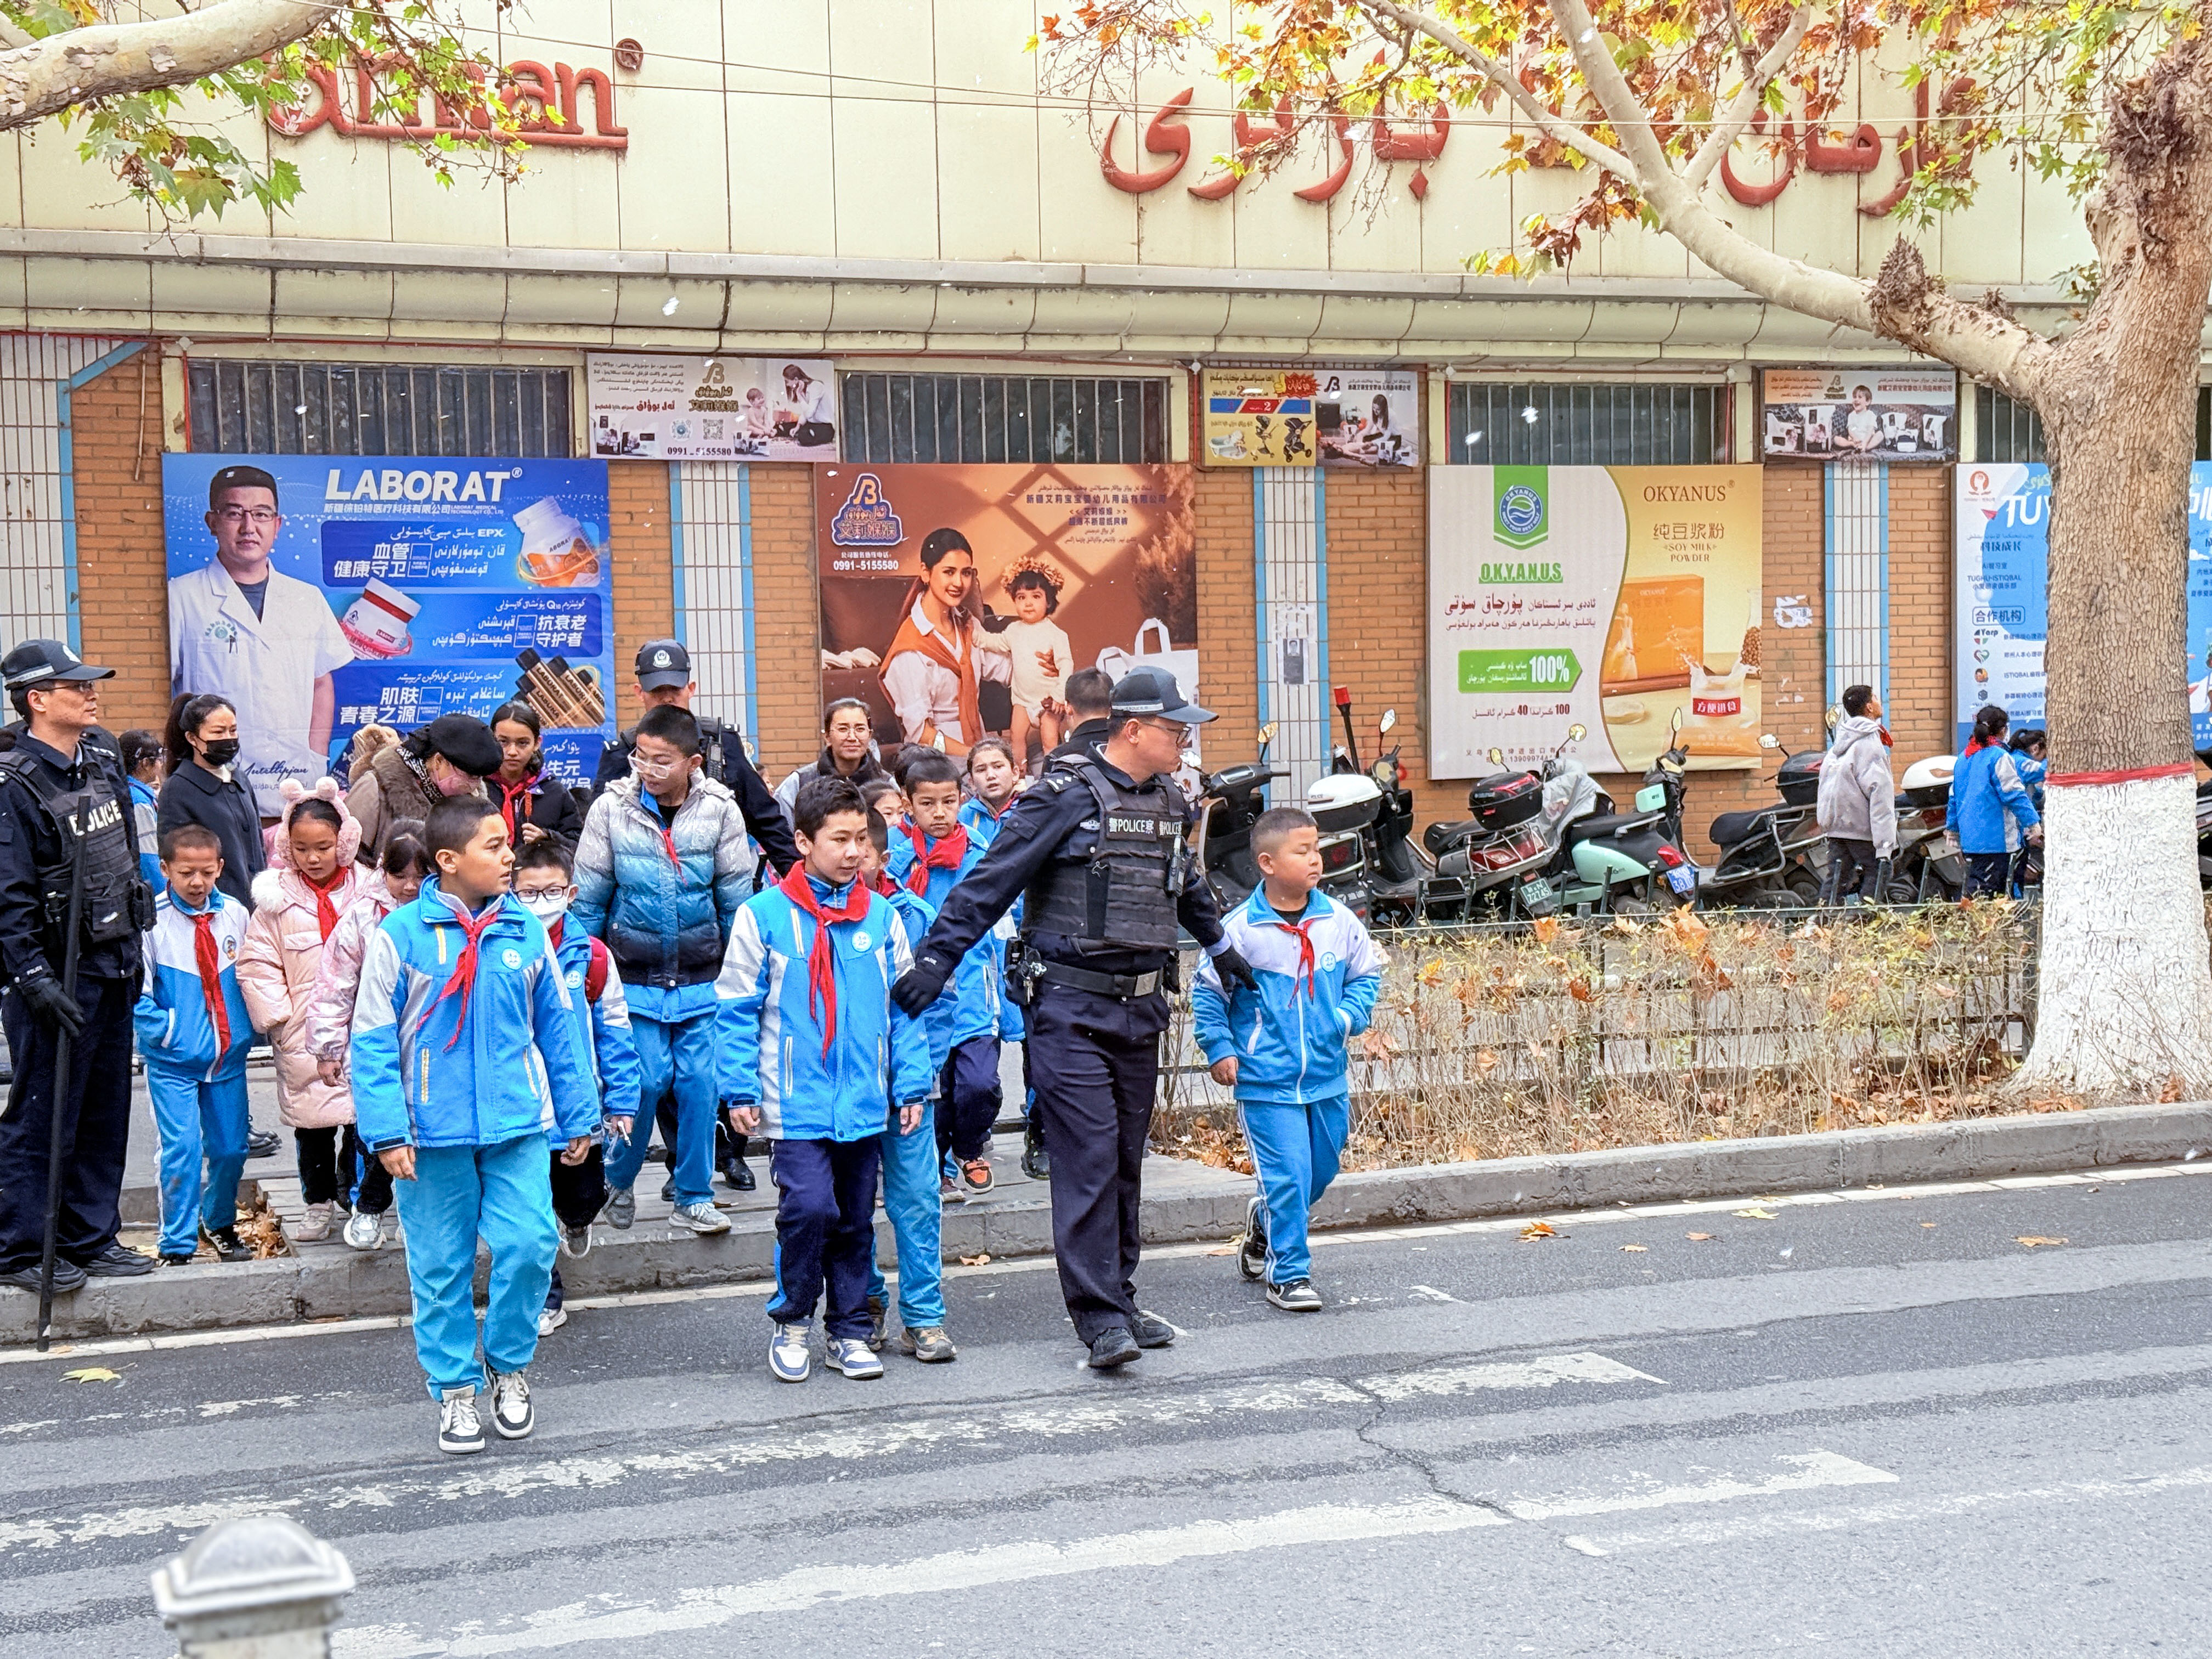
(548, 908)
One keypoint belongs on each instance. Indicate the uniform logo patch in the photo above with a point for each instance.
(861, 941)
(576, 978)
(511, 957)
(1328, 960)
(660, 659)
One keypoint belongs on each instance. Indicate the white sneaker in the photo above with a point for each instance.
(550, 1320)
(510, 1405)
(699, 1218)
(315, 1225)
(460, 1430)
(853, 1355)
(363, 1230)
(790, 1353)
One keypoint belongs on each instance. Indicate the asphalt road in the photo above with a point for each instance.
(1879, 1424)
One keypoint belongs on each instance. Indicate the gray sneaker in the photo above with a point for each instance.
(929, 1344)
(1297, 1297)
(622, 1209)
(703, 1219)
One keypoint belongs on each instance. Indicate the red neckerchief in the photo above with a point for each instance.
(326, 914)
(1975, 744)
(822, 958)
(464, 976)
(510, 794)
(1305, 948)
(203, 957)
(947, 854)
(882, 882)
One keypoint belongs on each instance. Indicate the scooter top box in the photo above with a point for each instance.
(1505, 799)
(1343, 800)
(1799, 780)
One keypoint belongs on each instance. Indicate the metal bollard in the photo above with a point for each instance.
(260, 1587)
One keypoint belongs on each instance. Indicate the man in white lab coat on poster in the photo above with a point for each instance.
(267, 641)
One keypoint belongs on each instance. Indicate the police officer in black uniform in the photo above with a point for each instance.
(663, 676)
(58, 782)
(1096, 850)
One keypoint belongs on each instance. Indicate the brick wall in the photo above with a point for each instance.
(787, 619)
(1228, 644)
(122, 585)
(1920, 635)
(645, 581)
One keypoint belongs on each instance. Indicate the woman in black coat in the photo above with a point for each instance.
(204, 789)
(534, 805)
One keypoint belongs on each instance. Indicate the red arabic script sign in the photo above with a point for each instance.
(1166, 135)
(547, 104)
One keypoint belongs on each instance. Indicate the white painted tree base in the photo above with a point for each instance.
(2124, 994)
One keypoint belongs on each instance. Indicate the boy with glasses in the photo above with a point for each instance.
(663, 867)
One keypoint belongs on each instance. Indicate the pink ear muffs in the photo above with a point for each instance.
(292, 792)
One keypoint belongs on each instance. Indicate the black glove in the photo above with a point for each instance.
(922, 984)
(54, 1007)
(1228, 963)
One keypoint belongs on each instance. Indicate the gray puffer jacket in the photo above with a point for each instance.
(1858, 801)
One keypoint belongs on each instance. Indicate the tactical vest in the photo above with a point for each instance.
(1124, 893)
(117, 903)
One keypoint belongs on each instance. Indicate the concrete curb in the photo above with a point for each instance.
(343, 1284)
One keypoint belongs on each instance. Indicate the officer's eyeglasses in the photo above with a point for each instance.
(235, 516)
(659, 771)
(1180, 734)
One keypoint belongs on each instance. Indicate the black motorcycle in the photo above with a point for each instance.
(1771, 856)
(1230, 803)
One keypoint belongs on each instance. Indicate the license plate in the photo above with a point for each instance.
(1683, 880)
(1536, 897)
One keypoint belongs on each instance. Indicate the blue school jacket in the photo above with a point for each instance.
(423, 1075)
(915, 914)
(978, 984)
(602, 1021)
(171, 1018)
(769, 1029)
(1291, 1049)
(1989, 805)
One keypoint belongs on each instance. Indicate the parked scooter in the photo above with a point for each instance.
(1603, 861)
(1230, 803)
(1395, 874)
(1925, 869)
(1771, 856)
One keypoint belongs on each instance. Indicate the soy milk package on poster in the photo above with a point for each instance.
(319, 594)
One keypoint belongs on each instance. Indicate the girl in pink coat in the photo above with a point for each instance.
(295, 910)
(399, 879)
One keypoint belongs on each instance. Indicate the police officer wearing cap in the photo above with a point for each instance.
(1095, 851)
(60, 780)
(663, 676)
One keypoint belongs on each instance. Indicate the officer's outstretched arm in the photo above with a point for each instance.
(1030, 835)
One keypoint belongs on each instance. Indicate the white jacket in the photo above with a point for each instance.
(1858, 800)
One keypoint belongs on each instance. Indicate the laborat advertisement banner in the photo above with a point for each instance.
(1364, 417)
(655, 408)
(1622, 599)
(320, 594)
(1860, 414)
(2003, 541)
(957, 600)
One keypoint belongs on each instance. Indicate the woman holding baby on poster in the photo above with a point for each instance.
(938, 655)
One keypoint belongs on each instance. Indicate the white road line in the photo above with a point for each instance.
(1502, 1374)
(1814, 1468)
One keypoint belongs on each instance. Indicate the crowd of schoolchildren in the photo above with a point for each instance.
(477, 1023)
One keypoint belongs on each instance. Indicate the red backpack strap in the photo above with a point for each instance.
(595, 977)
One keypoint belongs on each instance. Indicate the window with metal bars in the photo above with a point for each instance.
(2006, 429)
(955, 418)
(263, 408)
(1566, 423)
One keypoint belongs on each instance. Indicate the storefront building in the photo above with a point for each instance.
(985, 277)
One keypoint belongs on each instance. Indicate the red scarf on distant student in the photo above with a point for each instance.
(947, 854)
(822, 959)
(464, 976)
(1305, 949)
(326, 914)
(211, 966)
(515, 803)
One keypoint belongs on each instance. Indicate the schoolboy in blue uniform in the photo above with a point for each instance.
(1281, 1045)
(543, 886)
(911, 1160)
(813, 1055)
(193, 1030)
(930, 859)
(465, 1047)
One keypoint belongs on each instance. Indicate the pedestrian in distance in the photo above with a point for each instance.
(848, 750)
(1991, 813)
(204, 787)
(1091, 706)
(141, 750)
(817, 1057)
(450, 755)
(193, 1031)
(66, 824)
(1857, 808)
(993, 781)
(1096, 852)
(534, 805)
(933, 854)
(1282, 1044)
(296, 908)
(544, 885)
(885, 798)
(662, 869)
(911, 1160)
(464, 1049)
(398, 879)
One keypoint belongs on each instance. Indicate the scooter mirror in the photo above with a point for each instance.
(1676, 725)
(1577, 731)
(1268, 732)
(1498, 757)
(1388, 722)
(1768, 740)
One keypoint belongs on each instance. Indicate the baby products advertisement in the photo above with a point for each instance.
(956, 600)
(319, 593)
(1624, 599)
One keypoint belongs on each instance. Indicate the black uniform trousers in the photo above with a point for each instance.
(94, 1122)
(1095, 1062)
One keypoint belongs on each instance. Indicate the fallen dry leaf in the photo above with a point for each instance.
(2032, 1240)
(974, 1261)
(1539, 1230)
(1928, 1223)
(1755, 1213)
(1701, 1238)
(1224, 1249)
(1637, 1249)
(1546, 929)
(91, 1374)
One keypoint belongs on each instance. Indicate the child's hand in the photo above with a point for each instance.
(578, 1149)
(330, 1068)
(743, 1119)
(398, 1162)
(619, 1126)
(910, 1117)
(1224, 1072)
